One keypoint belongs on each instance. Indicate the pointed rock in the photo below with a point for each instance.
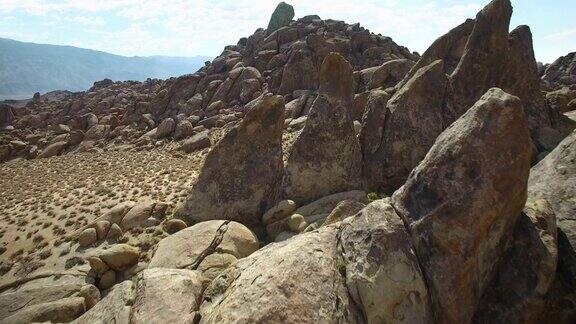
(461, 202)
(416, 114)
(282, 16)
(326, 157)
(241, 173)
(482, 63)
(448, 48)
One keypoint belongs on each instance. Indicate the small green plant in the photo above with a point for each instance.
(372, 196)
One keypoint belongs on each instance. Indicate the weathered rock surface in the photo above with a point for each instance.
(326, 157)
(59, 311)
(190, 246)
(517, 292)
(554, 179)
(281, 17)
(166, 296)
(114, 308)
(413, 118)
(474, 177)
(11, 302)
(382, 271)
(293, 281)
(240, 174)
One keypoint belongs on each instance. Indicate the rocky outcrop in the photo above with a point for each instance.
(326, 158)
(474, 177)
(396, 138)
(494, 58)
(562, 71)
(241, 172)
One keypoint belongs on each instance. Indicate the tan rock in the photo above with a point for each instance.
(64, 310)
(188, 247)
(119, 257)
(166, 296)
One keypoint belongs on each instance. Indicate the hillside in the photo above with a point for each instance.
(26, 68)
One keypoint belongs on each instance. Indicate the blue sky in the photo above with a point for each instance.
(204, 27)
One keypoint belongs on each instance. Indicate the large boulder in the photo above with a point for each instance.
(53, 150)
(189, 247)
(59, 311)
(554, 179)
(296, 281)
(240, 174)
(326, 157)
(166, 296)
(463, 199)
(281, 17)
(382, 271)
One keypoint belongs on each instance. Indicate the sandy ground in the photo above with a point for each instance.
(43, 201)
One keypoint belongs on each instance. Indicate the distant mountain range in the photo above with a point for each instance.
(26, 68)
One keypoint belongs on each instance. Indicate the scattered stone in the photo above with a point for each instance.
(107, 280)
(98, 265)
(114, 233)
(119, 257)
(137, 216)
(174, 225)
(88, 237)
(196, 142)
(280, 211)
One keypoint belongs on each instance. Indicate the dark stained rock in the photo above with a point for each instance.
(326, 157)
(517, 292)
(461, 202)
(281, 17)
(240, 174)
(413, 118)
(562, 71)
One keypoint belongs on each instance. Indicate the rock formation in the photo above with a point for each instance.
(474, 177)
(325, 158)
(240, 174)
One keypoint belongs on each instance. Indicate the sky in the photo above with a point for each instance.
(204, 27)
